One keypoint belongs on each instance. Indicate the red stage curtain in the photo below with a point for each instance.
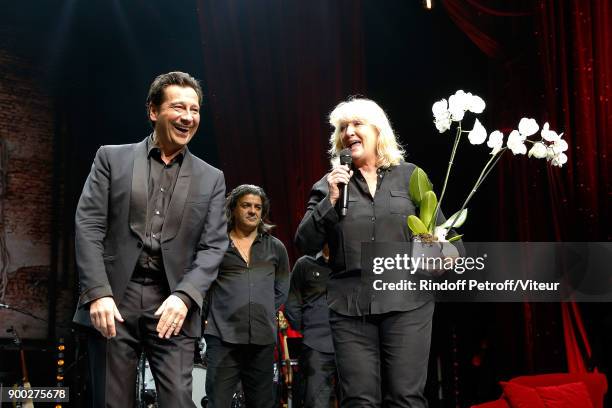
(289, 61)
(575, 41)
(557, 68)
(550, 60)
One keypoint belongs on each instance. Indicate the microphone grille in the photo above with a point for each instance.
(345, 156)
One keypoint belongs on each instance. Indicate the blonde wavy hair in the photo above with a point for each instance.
(388, 151)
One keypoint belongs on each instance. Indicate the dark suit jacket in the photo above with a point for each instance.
(110, 226)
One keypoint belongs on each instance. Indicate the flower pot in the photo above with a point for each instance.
(429, 255)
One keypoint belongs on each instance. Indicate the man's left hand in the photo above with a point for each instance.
(172, 312)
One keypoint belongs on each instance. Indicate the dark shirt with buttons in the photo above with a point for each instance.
(306, 306)
(162, 179)
(381, 218)
(244, 299)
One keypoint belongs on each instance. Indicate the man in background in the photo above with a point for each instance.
(307, 311)
(252, 285)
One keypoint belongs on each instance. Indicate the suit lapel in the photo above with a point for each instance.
(174, 215)
(140, 190)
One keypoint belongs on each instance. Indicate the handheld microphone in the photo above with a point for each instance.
(345, 158)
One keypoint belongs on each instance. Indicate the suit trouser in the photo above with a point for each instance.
(318, 371)
(228, 364)
(113, 362)
(382, 359)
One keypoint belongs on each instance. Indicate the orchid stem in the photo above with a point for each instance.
(483, 175)
(432, 222)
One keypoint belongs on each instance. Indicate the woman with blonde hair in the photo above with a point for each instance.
(381, 338)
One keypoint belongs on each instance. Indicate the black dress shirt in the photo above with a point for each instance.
(306, 306)
(162, 179)
(244, 299)
(381, 218)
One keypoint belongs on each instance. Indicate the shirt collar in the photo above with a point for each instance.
(154, 151)
(258, 237)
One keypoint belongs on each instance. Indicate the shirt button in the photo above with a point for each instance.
(154, 236)
(161, 189)
(373, 218)
(372, 238)
(157, 212)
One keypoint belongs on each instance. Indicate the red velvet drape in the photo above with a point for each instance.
(550, 60)
(289, 62)
(576, 42)
(575, 39)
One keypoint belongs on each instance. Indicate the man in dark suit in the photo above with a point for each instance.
(150, 234)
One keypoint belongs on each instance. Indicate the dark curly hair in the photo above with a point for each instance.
(232, 201)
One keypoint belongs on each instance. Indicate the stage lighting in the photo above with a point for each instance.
(59, 374)
(428, 4)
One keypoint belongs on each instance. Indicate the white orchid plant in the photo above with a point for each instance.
(551, 147)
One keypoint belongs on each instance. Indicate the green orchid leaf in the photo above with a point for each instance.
(461, 217)
(419, 185)
(416, 225)
(455, 238)
(428, 206)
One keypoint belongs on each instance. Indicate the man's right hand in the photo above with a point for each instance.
(103, 313)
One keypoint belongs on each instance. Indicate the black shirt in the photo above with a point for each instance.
(381, 218)
(162, 179)
(306, 306)
(244, 299)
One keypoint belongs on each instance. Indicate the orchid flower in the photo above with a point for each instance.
(442, 117)
(478, 134)
(476, 104)
(551, 147)
(528, 127)
(549, 135)
(539, 151)
(516, 143)
(496, 141)
(559, 160)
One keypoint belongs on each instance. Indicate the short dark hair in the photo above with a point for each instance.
(232, 201)
(156, 90)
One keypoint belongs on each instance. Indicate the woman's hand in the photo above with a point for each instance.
(338, 176)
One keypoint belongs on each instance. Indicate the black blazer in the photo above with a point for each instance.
(110, 226)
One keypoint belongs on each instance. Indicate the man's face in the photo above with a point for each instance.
(177, 118)
(247, 213)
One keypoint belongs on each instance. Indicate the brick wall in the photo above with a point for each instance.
(27, 129)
